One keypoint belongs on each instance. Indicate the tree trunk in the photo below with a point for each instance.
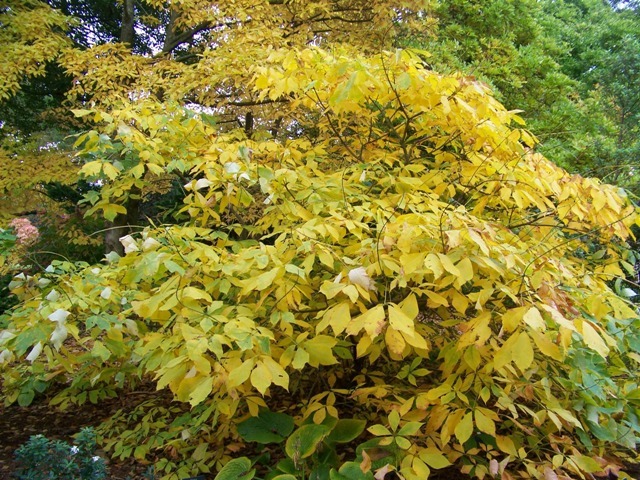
(121, 226)
(170, 33)
(127, 30)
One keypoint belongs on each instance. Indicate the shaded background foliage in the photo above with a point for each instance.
(570, 65)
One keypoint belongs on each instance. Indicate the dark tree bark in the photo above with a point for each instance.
(127, 30)
(121, 226)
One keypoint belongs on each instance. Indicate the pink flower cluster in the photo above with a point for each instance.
(26, 232)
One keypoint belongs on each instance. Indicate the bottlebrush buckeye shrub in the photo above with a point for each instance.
(383, 247)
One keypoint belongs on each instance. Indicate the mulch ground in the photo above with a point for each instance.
(17, 424)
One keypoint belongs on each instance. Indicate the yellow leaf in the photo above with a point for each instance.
(567, 416)
(504, 355)
(326, 258)
(200, 390)
(91, 169)
(278, 375)
(240, 374)
(534, 319)
(459, 301)
(300, 359)
(506, 445)
(194, 294)
(331, 289)
(436, 300)
(511, 318)
(546, 346)
(410, 306)
(433, 263)
(466, 271)
(523, 352)
(416, 340)
(372, 321)
(472, 357)
(266, 279)
(593, 340)
(110, 170)
(478, 240)
(448, 265)
(394, 341)
(338, 317)
(261, 378)
(586, 464)
(400, 321)
(352, 292)
(111, 211)
(434, 458)
(412, 261)
(320, 349)
(464, 429)
(484, 423)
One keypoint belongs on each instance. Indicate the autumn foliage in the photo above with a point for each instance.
(384, 247)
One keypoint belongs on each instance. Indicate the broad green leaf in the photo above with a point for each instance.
(350, 471)
(267, 427)
(236, 469)
(303, 442)
(346, 430)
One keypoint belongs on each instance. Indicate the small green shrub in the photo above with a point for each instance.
(41, 458)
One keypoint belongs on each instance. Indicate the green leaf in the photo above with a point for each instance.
(236, 469)
(26, 397)
(303, 442)
(352, 471)
(346, 430)
(267, 427)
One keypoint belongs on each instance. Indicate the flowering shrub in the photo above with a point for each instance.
(26, 233)
(42, 458)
